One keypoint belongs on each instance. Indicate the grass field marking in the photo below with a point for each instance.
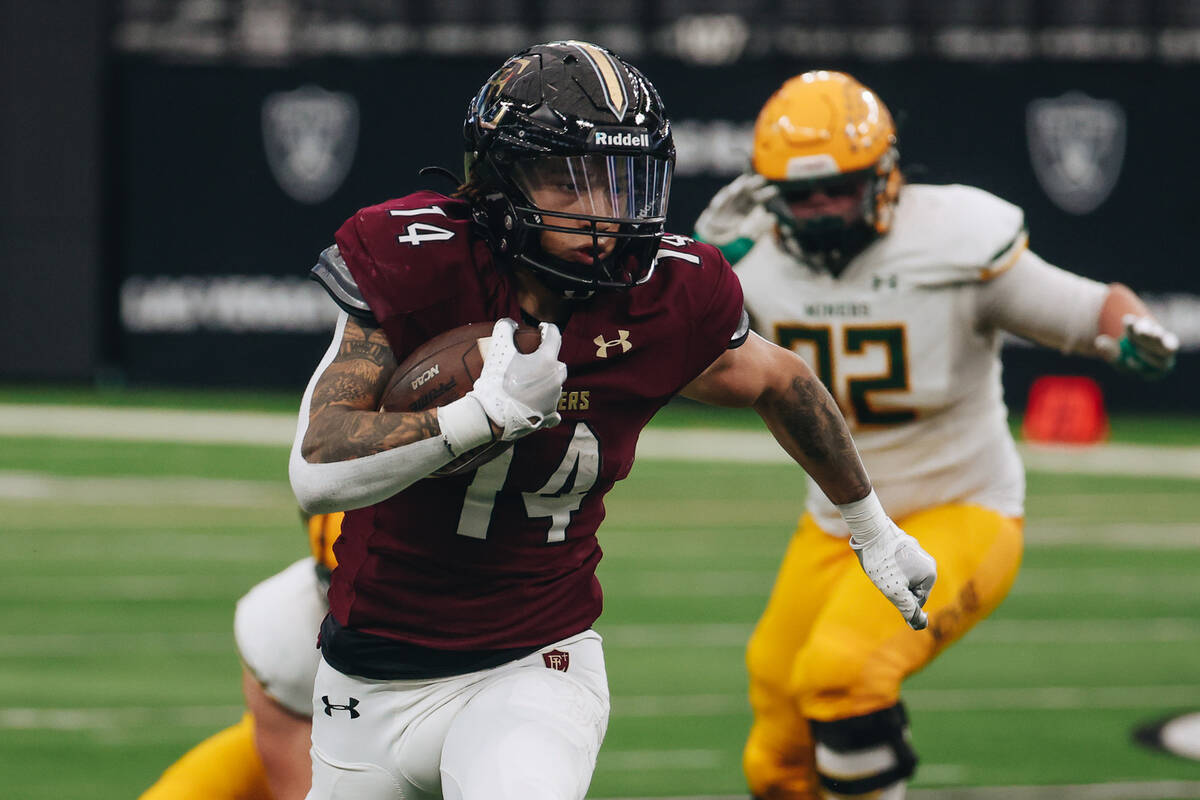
(954, 701)
(645, 760)
(1113, 536)
(1127, 790)
(95, 719)
(129, 491)
(1053, 698)
(49, 645)
(158, 547)
(697, 583)
(1113, 459)
(1087, 581)
(651, 636)
(687, 444)
(1087, 631)
(148, 424)
(1006, 631)
(1082, 582)
(162, 586)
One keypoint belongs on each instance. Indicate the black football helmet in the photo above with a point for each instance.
(567, 131)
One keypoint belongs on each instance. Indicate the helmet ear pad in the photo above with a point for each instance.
(498, 217)
(886, 191)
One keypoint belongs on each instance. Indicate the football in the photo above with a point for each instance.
(444, 369)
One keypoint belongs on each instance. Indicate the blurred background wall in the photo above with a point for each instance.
(171, 168)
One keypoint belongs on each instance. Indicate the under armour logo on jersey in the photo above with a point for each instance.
(349, 706)
(621, 341)
(557, 659)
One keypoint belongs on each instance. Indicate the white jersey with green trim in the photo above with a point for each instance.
(898, 340)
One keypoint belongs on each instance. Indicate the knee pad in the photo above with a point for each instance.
(859, 755)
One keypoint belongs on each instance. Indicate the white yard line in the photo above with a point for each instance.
(170, 490)
(656, 760)
(690, 444)
(667, 637)
(1047, 698)
(1008, 631)
(147, 424)
(76, 719)
(141, 491)
(1151, 630)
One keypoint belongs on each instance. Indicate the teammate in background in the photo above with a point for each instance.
(265, 755)
(458, 656)
(896, 295)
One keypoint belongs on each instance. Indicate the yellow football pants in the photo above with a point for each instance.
(225, 766)
(829, 646)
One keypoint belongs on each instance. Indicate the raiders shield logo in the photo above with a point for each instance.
(310, 136)
(1076, 144)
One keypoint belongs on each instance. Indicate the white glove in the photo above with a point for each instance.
(1146, 349)
(729, 215)
(519, 392)
(892, 559)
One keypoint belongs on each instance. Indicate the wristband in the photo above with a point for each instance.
(865, 518)
(464, 425)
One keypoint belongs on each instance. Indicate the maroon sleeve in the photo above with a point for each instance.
(412, 260)
(720, 321)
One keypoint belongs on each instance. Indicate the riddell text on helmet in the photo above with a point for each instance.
(620, 139)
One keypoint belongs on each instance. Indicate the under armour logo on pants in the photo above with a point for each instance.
(349, 706)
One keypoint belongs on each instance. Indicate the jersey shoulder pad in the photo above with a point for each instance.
(700, 272)
(686, 264)
(334, 276)
(952, 234)
(409, 253)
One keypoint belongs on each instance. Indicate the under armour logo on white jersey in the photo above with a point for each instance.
(621, 341)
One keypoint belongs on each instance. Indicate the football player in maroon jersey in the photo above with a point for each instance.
(458, 655)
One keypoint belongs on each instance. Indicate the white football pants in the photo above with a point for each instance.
(526, 730)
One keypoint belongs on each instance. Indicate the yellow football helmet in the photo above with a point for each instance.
(825, 129)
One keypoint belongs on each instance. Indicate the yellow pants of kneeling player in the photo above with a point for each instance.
(829, 646)
(225, 766)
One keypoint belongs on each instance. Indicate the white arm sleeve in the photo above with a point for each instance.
(1041, 302)
(346, 485)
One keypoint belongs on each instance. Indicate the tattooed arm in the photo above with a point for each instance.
(804, 419)
(343, 420)
(347, 454)
(797, 409)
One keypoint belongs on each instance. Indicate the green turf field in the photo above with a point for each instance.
(125, 559)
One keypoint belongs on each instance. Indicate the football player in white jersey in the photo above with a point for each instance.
(265, 755)
(897, 295)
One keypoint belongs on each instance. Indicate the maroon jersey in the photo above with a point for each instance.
(505, 556)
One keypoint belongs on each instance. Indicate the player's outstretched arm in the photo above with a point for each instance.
(802, 416)
(1060, 309)
(1131, 339)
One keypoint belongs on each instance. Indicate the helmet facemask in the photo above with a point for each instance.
(595, 220)
(828, 241)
